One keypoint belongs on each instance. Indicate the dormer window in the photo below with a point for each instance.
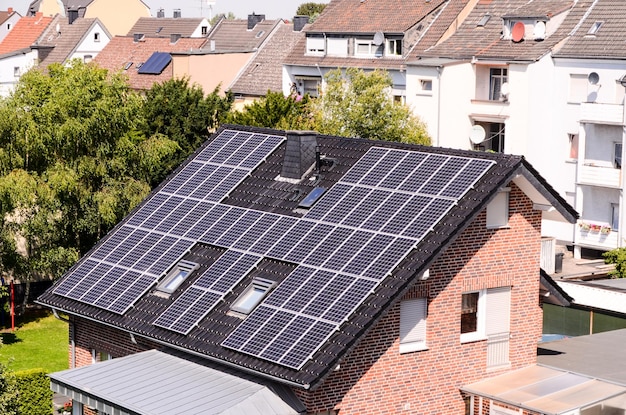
(177, 276)
(593, 30)
(253, 295)
(394, 47)
(367, 48)
(315, 45)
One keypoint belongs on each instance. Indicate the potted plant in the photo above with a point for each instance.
(595, 228)
(66, 409)
(584, 226)
(605, 230)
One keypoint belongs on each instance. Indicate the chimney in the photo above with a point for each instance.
(299, 153)
(174, 37)
(299, 22)
(10, 10)
(253, 19)
(160, 13)
(177, 13)
(72, 15)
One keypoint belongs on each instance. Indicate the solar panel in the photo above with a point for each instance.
(155, 63)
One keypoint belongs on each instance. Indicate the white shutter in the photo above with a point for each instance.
(337, 46)
(413, 325)
(315, 44)
(498, 310)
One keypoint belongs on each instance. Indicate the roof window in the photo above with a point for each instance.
(595, 27)
(253, 295)
(176, 276)
(483, 21)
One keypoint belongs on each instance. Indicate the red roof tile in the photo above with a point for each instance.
(25, 32)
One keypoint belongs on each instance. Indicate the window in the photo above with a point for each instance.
(367, 48)
(315, 45)
(8, 26)
(614, 216)
(485, 314)
(16, 71)
(394, 47)
(87, 58)
(96, 37)
(426, 85)
(253, 295)
(176, 276)
(498, 210)
(578, 84)
(617, 155)
(595, 27)
(97, 356)
(483, 20)
(413, 324)
(469, 313)
(308, 85)
(497, 77)
(337, 46)
(494, 138)
(204, 30)
(573, 146)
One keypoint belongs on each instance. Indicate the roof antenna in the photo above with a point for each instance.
(318, 163)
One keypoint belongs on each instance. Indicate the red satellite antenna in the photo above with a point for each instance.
(517, 34)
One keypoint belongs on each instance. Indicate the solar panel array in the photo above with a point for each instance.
(139, 252)
(347, 243)
(155, 63)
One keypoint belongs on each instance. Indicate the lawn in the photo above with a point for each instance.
(39, 341)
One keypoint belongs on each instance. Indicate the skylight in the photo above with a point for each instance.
(176, 276)
(253, 295)
(595, 27)
(483, 21)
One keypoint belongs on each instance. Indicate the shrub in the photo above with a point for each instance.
(34, 393)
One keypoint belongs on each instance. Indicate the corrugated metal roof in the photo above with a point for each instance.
(154, 382)
(596, 296)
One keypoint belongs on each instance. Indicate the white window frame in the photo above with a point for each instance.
(97, 356)
(392, 47)
(96, 37)
(498, 210)
(498, 76)
(252, 296)
(617, 155)
(337, 46)
(369, 48)
(482, 315)
(479, 334)
(176, 276)
(315, 45)
(425, 86)
(413, 324)
(614, 216)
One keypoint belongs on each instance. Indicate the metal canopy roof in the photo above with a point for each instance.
(548, 391)
(155, 383)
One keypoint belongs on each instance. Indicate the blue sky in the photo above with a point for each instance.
(273, 9)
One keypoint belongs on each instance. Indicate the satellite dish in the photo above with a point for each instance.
(593, 78)
(477, 134)
(540, 31)
(379, 38)
(504, 89)
(518, 31)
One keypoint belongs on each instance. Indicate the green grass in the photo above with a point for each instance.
(39, 341)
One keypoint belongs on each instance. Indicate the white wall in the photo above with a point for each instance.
(89, 46)
(24, 61)
(8, 24)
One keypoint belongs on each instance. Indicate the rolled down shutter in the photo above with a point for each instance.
(498, 310)
(413, 324)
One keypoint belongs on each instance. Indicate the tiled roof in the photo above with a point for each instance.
(5, 14)
(166, 26)
(122, 50)
(486, 42)
(265, 71)
(608, 42)
(260, 193)
(25, 32)
(371, 16)
(64, 41)
(232, 35)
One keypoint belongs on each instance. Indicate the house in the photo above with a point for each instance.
(227, 49)
(264, 72)
(16, 54)
(66, 39)
(162, 26)
(145, 60)
(493, 85)
(118, 16)
(8, 19)
(287, 272)
(373, 34)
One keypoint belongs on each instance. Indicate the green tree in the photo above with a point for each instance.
(275, 110)
(182, 113)
(218, 17)
(618, 257)
(311, 9)
(359, 104)
(72, 165)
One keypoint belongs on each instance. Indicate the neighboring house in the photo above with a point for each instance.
(264, 72)
(373, 34)
(591, 74)
(171, 26)
(286, 272)
(66, 39)
(118, 16)
(16, 55)
(574, 376)
(145, 60)
(8, 19)
(492, 85)
(228, 48)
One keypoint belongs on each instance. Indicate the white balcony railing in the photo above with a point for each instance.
(596, 239)
(600, 176)
(596, 113)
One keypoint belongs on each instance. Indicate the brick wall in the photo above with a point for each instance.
(376, 379)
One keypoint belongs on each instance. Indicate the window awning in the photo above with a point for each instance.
(549, 391)
(159, 383)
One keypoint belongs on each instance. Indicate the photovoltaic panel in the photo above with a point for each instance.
(191, 219)
(287, 242)
(173, 254)
(424, 172)
(176, 215)
(138, 288)
(186, 173)
(349, 300)
(328, 246)
(403, 170)
(155, 64)
(381, 216)
(273, 234)
(472, 172)
(115, 238)
(220, 227)
(106, 281)
(300, 352)
(162, 212)
(389, 258)
(215, 145)
(212, 217)
(289, 286)
(442, 177)
(366, 207)
(346, 205)
(147, 209)
(367, 254)
(307, 290)
(138, 251)
(116, 290)
(222, 189)
(365, 163)
(383, 168)
(75, 276)
(244, 222)
(428, 218)
(324, 299)
(205, 177)
(308, 244)
(404, 216)
(231, 147)
(251, 235)
(261, 152)
(330, 199)
(344, 253)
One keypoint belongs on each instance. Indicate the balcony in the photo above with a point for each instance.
(595, 113)
(596, 238)
(605, 176)
(491, 109)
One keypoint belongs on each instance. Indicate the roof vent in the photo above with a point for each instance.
(160, 13)
(299, 153)
(254, 19)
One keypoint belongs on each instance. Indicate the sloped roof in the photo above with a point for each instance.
(67, 39)
(232, 35)
(5, 14)
(337, 267)
(123, 50)
(24, 34)
(265, 71)
(166, 26)
(608, 42)
(472, 40)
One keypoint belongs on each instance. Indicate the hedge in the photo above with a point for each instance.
(35, 395)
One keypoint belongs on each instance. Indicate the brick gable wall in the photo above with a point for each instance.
(375, 378)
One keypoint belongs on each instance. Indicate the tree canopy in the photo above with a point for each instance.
(311, 9)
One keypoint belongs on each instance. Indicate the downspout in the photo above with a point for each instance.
(439, 70)
(72, 338)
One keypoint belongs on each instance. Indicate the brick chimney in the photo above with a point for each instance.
(299, 153)
(254, 19)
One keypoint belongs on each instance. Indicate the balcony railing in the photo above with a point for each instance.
(601, 113)
(600, 176)
(596, 238)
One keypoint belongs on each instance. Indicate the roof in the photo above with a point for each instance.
(161, 383)
(474, 41)
(552, 292)
(265, 71)
(233, 35)
(545, 390)
(166, 26)
(607, 295)
(607, 42)
(123, 50)
(5, 14)
(66, 39)
(25, 32)
(234, 209)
